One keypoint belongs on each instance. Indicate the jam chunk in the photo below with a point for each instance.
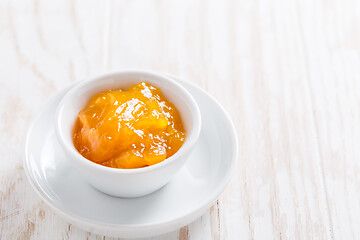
(129, 129)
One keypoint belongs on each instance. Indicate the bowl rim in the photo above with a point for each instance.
(185, 148)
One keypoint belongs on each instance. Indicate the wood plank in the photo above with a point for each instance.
(332, 51)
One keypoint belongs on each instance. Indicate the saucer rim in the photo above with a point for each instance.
(72, 217)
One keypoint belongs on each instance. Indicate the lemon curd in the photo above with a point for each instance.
(129, 129)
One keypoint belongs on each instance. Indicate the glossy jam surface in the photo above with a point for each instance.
(129, 129)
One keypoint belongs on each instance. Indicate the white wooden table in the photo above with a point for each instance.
(287, 71)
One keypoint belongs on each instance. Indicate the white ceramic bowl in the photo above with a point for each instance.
(127, 182)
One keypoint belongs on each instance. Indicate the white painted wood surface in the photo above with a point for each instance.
(288, 72)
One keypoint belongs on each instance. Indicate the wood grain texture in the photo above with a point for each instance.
(287, 71)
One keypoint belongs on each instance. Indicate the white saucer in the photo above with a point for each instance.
(192, 191)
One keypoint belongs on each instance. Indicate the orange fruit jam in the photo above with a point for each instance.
(129, 129)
